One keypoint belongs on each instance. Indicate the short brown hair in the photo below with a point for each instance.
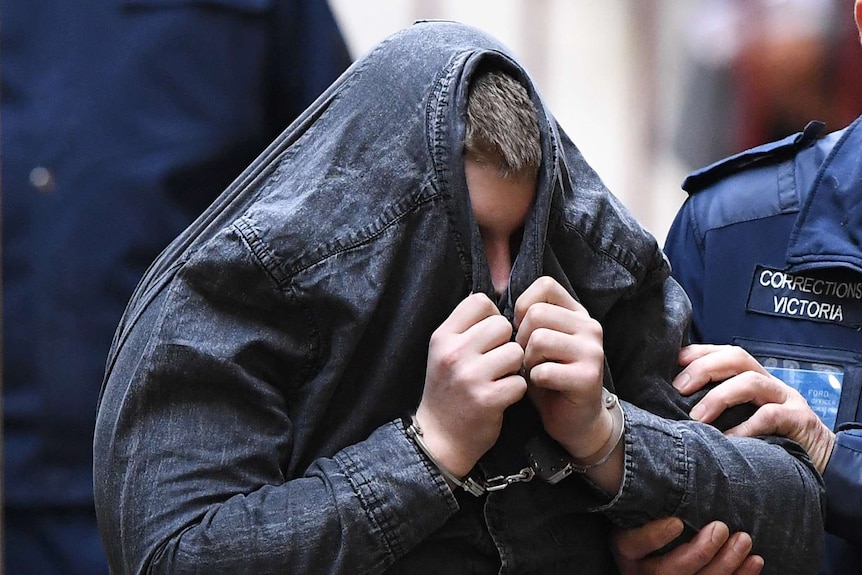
(502, 128)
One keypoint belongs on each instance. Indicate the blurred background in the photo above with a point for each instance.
(651, 89)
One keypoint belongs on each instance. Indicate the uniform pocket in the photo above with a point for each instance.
(830, 379)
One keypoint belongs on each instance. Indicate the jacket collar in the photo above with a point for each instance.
(828, 230)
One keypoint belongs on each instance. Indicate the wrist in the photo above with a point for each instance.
(821, 452)
(554, 465)
(613, 411)
(444, 453)
(414, 432)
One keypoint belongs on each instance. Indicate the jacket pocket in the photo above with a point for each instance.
(829, 379)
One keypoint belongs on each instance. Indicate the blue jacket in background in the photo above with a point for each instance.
(768, 248)
(121, 121)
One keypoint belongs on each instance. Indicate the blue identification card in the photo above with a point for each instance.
(819, 384)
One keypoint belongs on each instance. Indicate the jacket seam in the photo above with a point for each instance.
(283, 272)
(596, 247)
(261, 253)
(374, 509)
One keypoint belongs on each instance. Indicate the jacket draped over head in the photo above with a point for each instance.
(250, 417)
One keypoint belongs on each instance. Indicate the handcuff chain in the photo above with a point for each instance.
(501, 482)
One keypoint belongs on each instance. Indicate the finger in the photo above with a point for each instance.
(502, 361)
(689, 558)
(471, 310)
(488, 333)
(689, 353)
(719, 364)
(558, 377)
(771, 419)
(731, 557)
(748, 387)
(752, 565)
(551, 316)
(547, 345)
(584, 340)
(635, 544)
(506, 391)
(544, 290)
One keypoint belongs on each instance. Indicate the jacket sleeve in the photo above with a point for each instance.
(843, 477)
(675, 466)
(195, 467)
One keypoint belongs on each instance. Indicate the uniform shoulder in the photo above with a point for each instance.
(759, 183)
(764, 156)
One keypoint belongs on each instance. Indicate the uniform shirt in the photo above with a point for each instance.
(767, 247)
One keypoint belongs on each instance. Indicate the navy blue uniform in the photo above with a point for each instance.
(121, 121)
(768, 248)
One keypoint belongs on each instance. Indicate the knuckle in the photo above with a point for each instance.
(539, 375)
(546, 282)
(738, 353)
(541, 338)
(702, 556)
(513, 353)
(449, 357)
(502, 325)
(770, 415)
(440, 338)
(534, 313)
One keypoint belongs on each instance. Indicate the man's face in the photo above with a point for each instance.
(500, 206)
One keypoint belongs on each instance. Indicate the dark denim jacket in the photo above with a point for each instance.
(251, 416)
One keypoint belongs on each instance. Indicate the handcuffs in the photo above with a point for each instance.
(547, 458)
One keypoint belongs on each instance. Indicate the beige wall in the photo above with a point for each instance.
(594, 62)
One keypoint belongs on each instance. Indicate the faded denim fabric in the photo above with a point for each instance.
(251, 415)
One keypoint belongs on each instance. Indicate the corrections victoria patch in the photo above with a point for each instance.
(809, 296)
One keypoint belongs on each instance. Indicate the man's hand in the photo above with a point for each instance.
(781, 409)
(713, 551)
(471, 378)
(564, 362)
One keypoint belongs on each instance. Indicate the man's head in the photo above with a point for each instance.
(502, 155)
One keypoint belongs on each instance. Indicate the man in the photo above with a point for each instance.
(121, 122)
(767, 247)
(395, 343)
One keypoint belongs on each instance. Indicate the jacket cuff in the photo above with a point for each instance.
(655, 455)
(403, 497)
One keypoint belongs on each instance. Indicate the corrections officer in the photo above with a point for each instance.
(768, 248)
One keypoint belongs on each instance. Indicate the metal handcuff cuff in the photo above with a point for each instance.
(547, 458)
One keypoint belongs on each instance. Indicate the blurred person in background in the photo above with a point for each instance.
(767, 247)
(120, 123)
(758, 70)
